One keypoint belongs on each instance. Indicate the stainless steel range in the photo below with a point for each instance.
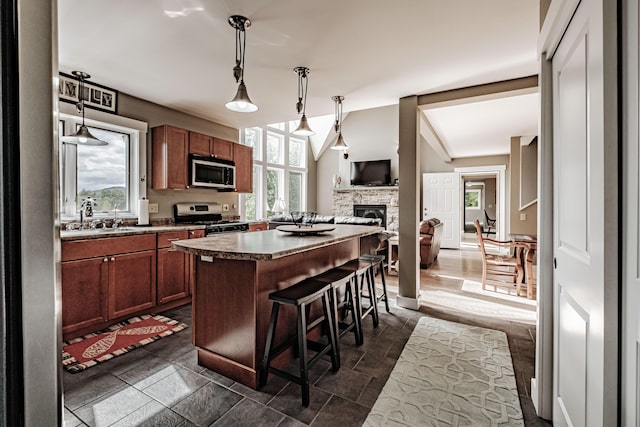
(207, 214)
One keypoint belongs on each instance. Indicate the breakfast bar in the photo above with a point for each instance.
(236, 272)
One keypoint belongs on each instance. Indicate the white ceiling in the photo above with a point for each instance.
(180, 54)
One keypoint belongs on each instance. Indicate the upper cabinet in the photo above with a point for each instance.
(243, 157)
(223, 149)
(170, 148)
(206, 145)
(200, 144)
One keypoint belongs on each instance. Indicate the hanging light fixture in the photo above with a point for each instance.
(303, 128)
(82, 135)
(241, 102)
(339, 145)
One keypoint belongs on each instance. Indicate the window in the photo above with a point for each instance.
(472, 199)
(279, 170)
(108, 174)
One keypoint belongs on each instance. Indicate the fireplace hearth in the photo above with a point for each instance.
(371, 211)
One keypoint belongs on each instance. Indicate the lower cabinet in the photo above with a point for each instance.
(132, 283)
(105, 279)
(85, 285)
(173, 268)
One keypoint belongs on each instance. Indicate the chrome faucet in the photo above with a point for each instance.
(116, 221)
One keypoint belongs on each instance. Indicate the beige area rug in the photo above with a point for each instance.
(450, 374)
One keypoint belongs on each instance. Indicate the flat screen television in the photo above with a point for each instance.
(371, 172)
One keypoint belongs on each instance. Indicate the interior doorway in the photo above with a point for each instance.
(483, 188)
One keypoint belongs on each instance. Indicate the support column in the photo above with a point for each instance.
(409, 202)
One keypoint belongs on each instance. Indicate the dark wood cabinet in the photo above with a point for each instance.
(173, 268)
(84, 293)
(132, 283)
(106, 279)
(243, 157)
(200, 144)
(170, 157)
(205, 145)
(223, 149)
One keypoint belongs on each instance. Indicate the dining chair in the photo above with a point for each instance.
(498, 269)
(489, 222)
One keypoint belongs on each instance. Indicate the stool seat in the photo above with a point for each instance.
(301, 295)
(377, 261)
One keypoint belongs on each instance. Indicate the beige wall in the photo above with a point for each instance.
(371, 135)
(530, 224)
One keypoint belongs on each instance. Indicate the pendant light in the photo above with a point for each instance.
(303, 128)
(340, 144)
(241, 102)
(82, 135)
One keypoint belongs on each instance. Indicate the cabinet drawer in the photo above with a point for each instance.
(81, 249)
(166, 239)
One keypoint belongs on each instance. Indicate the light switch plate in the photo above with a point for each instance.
(523, 217)
(153, 208)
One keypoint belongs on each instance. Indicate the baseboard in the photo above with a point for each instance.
(410, 303)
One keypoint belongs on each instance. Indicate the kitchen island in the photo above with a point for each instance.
(236, 272)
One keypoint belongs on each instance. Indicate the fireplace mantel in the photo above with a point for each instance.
(393, 188)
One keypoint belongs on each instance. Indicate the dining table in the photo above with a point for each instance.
(525, 246)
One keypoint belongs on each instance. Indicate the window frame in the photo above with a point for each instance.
(262, 210)
(137, 158)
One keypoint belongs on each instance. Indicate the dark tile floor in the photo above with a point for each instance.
(161, 384)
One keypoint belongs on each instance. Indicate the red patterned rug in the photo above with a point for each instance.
(89, 350)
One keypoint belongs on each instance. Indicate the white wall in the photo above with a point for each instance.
(371, 135)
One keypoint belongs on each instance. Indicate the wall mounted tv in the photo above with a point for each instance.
(371, 172)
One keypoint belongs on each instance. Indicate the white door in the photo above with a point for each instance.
(631, 241)
(441, 199)
(585, 223)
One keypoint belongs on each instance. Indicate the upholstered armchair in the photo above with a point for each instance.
(430, 237)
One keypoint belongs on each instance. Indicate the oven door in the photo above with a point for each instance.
(212, 174)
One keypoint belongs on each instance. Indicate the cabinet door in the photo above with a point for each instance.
(173, 275)
(223, 149)
(132, 283)
(193, 234)
(243, 156)
(84, 293)
(170, 159)
(200, 144)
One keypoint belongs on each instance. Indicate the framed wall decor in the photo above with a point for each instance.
(95, 96)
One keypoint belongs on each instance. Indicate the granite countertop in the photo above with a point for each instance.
(68, 235)
(269, 244)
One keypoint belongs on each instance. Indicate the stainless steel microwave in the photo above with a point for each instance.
(213, 173)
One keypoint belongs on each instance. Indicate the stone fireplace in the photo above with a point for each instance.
(346, 199)
(371, 211)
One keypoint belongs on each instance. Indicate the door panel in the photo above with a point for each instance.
(441, 199)
(631, 241)
(585, 205)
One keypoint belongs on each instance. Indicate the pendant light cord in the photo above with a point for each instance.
(241, 47)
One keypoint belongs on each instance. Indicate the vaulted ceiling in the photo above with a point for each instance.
(181, 53)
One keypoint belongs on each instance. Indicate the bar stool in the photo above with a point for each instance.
(301, 295)
(377, 261)
(336, 277)
(362, 269)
